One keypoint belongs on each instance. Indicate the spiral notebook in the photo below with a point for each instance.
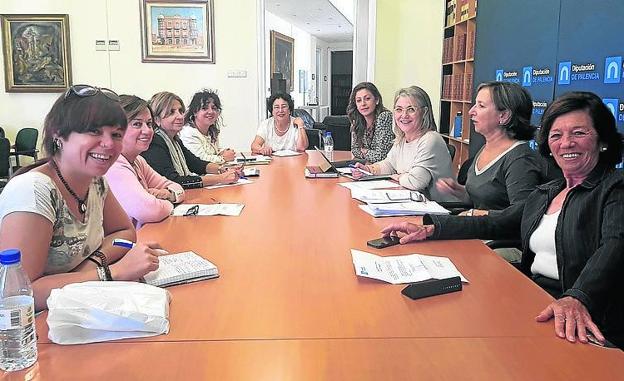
(181, 268)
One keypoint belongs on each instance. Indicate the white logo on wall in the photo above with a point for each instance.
(564, 73)
(527, 73)
(613, 69)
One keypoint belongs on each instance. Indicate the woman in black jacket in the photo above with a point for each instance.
(571, 229)
(168, 156)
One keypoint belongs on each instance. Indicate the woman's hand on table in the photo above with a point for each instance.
(408, 231)
(138, 261)
(572, 320)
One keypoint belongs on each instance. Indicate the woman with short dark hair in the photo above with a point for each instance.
(506, 169)
(281, 131)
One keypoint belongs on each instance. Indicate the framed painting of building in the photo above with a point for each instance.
(36, 53)
(177, 31)
(282, 57)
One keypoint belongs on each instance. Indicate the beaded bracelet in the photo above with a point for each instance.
(104, 263)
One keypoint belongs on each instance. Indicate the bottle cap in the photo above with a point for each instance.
(10, 256)
(327, 133)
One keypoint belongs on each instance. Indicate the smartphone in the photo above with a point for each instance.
(382, 242)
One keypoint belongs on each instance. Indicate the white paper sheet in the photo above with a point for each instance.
(403, 269)
(239, 182)
(210, 209)
(373, 184)
(286, 152)
(376, 196)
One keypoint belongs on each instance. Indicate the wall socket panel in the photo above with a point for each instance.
(100, 45)
(113, 45)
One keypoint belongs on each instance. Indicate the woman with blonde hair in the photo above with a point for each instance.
(419, 155)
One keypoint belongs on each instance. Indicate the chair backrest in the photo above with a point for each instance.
(340, 128)
(26, 141)
(314, 137)
(452, 150)
(2, 135)
(5, 147)
(308, 120)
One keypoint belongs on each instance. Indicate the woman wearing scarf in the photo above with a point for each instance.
(168, 156)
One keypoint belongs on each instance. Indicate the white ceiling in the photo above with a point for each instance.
(318, 17)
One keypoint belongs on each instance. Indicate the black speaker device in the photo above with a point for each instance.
(431, 287)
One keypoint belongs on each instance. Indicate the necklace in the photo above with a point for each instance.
(82, 206)
(281, 131)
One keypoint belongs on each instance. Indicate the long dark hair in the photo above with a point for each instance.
(358, 123)
(200, 100)
(80, 114)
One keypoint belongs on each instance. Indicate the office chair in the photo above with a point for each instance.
(2, 134)
(5, 166)
(340, 128)
(452, 149)
(26, 144)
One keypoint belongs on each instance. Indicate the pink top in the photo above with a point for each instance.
(130, 182)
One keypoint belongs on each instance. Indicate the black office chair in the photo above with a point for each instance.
(452, 149)
(315, 137)
(26, 144)
(5, 166)
(2, 134)
(340, 128)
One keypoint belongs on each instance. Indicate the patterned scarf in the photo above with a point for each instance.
(175, 151)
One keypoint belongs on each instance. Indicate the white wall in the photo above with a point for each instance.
(235, 49)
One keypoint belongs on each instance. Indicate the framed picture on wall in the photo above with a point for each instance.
(36, 53)
(177, 31)
(282, 57)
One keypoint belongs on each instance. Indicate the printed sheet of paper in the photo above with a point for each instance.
(404, 268)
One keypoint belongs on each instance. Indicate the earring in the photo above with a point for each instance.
(549, 153)
(57, 145)
(603, 149)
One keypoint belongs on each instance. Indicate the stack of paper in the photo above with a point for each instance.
(375, 184)
(208, 209)
(403, 269)
(412, 208)
(375, 196)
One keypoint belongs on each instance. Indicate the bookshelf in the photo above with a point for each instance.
(457, 74)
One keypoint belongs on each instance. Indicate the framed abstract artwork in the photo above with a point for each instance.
(177, 31)
(282, 57)
(36, 53)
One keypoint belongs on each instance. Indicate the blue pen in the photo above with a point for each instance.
(123, 243)
(361, 170)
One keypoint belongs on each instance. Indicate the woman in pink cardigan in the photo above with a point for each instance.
(144, 194)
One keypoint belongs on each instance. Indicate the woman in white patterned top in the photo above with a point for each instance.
(202, 125)
(59, 211)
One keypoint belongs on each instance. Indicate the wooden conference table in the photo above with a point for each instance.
(288, 305)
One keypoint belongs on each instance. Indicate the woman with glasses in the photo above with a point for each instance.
(144, 194)
(371, 124)
(59, 211)
(419, 155)
(169, 157)
(506, 169)
(202, 125)
(281, 131)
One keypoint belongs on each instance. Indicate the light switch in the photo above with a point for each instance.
(113, 45)
(100, 45)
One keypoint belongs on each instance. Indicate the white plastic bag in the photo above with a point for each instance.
(100, 311)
